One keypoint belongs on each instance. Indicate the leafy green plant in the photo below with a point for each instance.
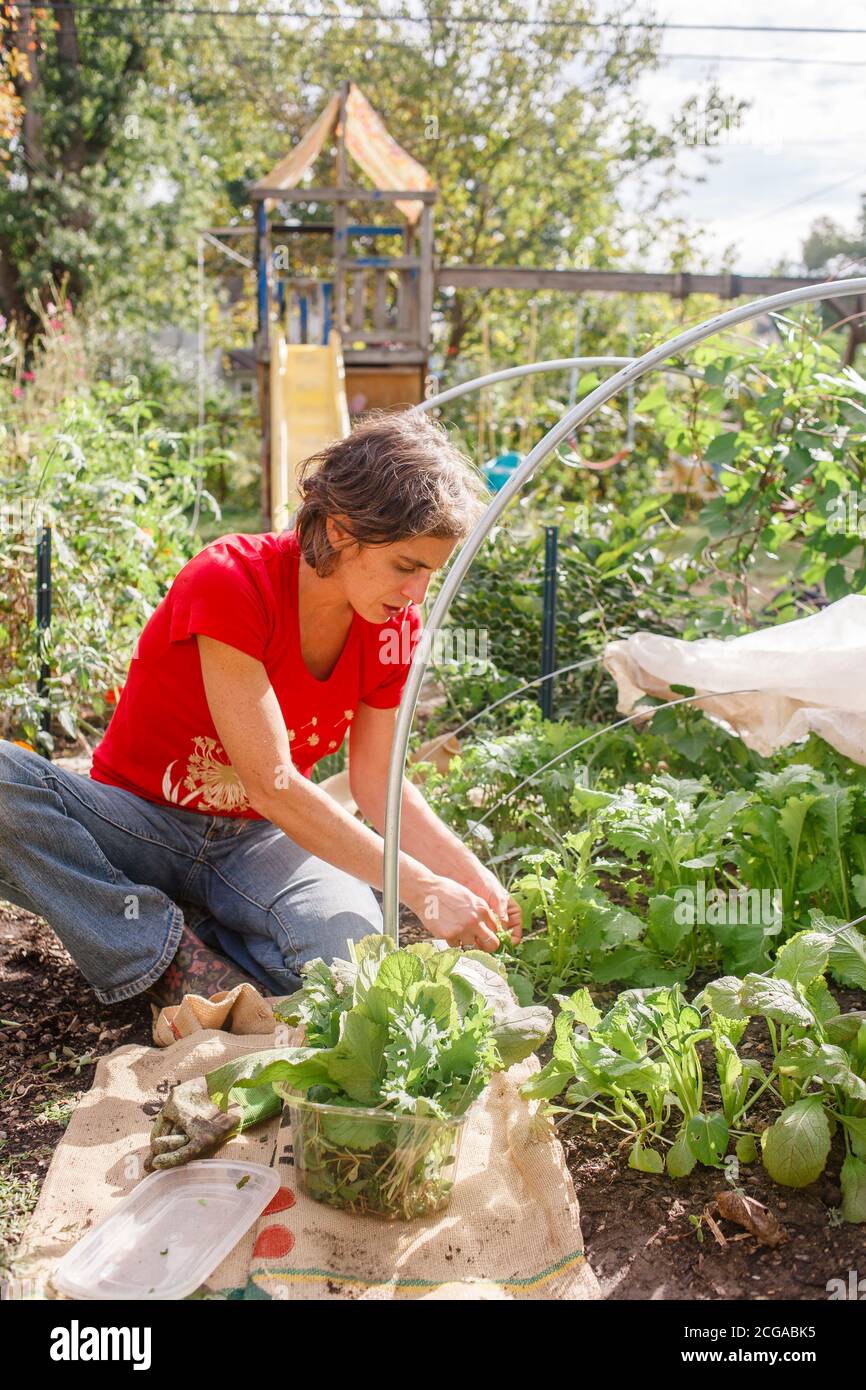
(481, 795)
(583, 935)
(116, 483)
(399, 1045)
(667, 876)
(789, 460)
(819, 1056)
(641, 1068)
(804, 835)
(113, 459)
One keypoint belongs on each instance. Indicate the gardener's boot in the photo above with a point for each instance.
(196, 969)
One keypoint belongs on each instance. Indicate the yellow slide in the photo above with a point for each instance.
(308, 411)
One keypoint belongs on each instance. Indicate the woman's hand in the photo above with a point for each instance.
(458, 915)
(501, 903)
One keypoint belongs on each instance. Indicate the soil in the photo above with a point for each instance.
(637, 1233)
(643, 1244)
(52, 1030)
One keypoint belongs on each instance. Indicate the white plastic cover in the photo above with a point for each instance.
(169, 1233)
(807, 676)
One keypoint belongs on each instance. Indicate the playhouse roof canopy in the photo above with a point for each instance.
(367, 140)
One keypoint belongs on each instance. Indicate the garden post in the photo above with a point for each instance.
(43, 616)
(548, 621)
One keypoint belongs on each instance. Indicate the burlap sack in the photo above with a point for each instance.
(241, 1010)
(100, 1158)
(513, 1221)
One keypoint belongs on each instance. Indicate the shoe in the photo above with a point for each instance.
(196, 969)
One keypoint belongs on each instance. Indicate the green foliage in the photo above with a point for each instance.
(117, 483)
(819, 1058)
(791, 461)
(829, 245)
(400, 1043)
(638, 1068)
(666, 876)
(147, 125)
(481, 796)
(641, 1069)
(613, 580)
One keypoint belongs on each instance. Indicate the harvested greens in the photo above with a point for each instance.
(400, 1042)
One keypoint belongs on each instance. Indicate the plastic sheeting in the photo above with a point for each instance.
(807, 676)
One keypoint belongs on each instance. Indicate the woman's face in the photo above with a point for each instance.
(379, 580)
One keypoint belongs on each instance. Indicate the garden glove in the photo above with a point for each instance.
(189, 1126)
(201, 1114)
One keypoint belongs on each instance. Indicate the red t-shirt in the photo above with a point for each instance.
(161, 742)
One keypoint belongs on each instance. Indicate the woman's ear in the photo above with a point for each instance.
(338, 533)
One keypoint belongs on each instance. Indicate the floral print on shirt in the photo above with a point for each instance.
(211, 780)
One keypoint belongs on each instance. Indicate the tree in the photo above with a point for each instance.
(68, 147)
(142, 124)
(530, 129)
(832, 250)
(827, 241)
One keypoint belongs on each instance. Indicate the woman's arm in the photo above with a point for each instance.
(251, 729)
(422, 833)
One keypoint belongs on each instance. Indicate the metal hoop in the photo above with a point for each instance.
(581, 412)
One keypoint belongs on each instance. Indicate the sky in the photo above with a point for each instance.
(800, 151)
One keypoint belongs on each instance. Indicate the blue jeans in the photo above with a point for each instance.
(107, 870)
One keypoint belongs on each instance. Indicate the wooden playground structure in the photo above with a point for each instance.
(355, 333)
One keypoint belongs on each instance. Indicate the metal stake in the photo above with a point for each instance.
(43, 617)
(548, 625)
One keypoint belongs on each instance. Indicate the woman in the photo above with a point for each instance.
(265, 652)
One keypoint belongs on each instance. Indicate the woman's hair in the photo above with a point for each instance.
(396, 475)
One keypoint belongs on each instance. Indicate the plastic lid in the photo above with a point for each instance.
(170, 1233)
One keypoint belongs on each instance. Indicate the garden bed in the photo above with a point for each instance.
(639, 1239)
(641, 1234)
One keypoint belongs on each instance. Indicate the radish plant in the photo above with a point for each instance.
(641, 1068)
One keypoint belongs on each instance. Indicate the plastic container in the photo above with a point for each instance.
(374, 1162)
(170, 1233)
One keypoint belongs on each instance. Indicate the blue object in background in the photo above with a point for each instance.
(497, 471)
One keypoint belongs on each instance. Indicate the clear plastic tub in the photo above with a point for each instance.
(372, 1161)
(170, 1233)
